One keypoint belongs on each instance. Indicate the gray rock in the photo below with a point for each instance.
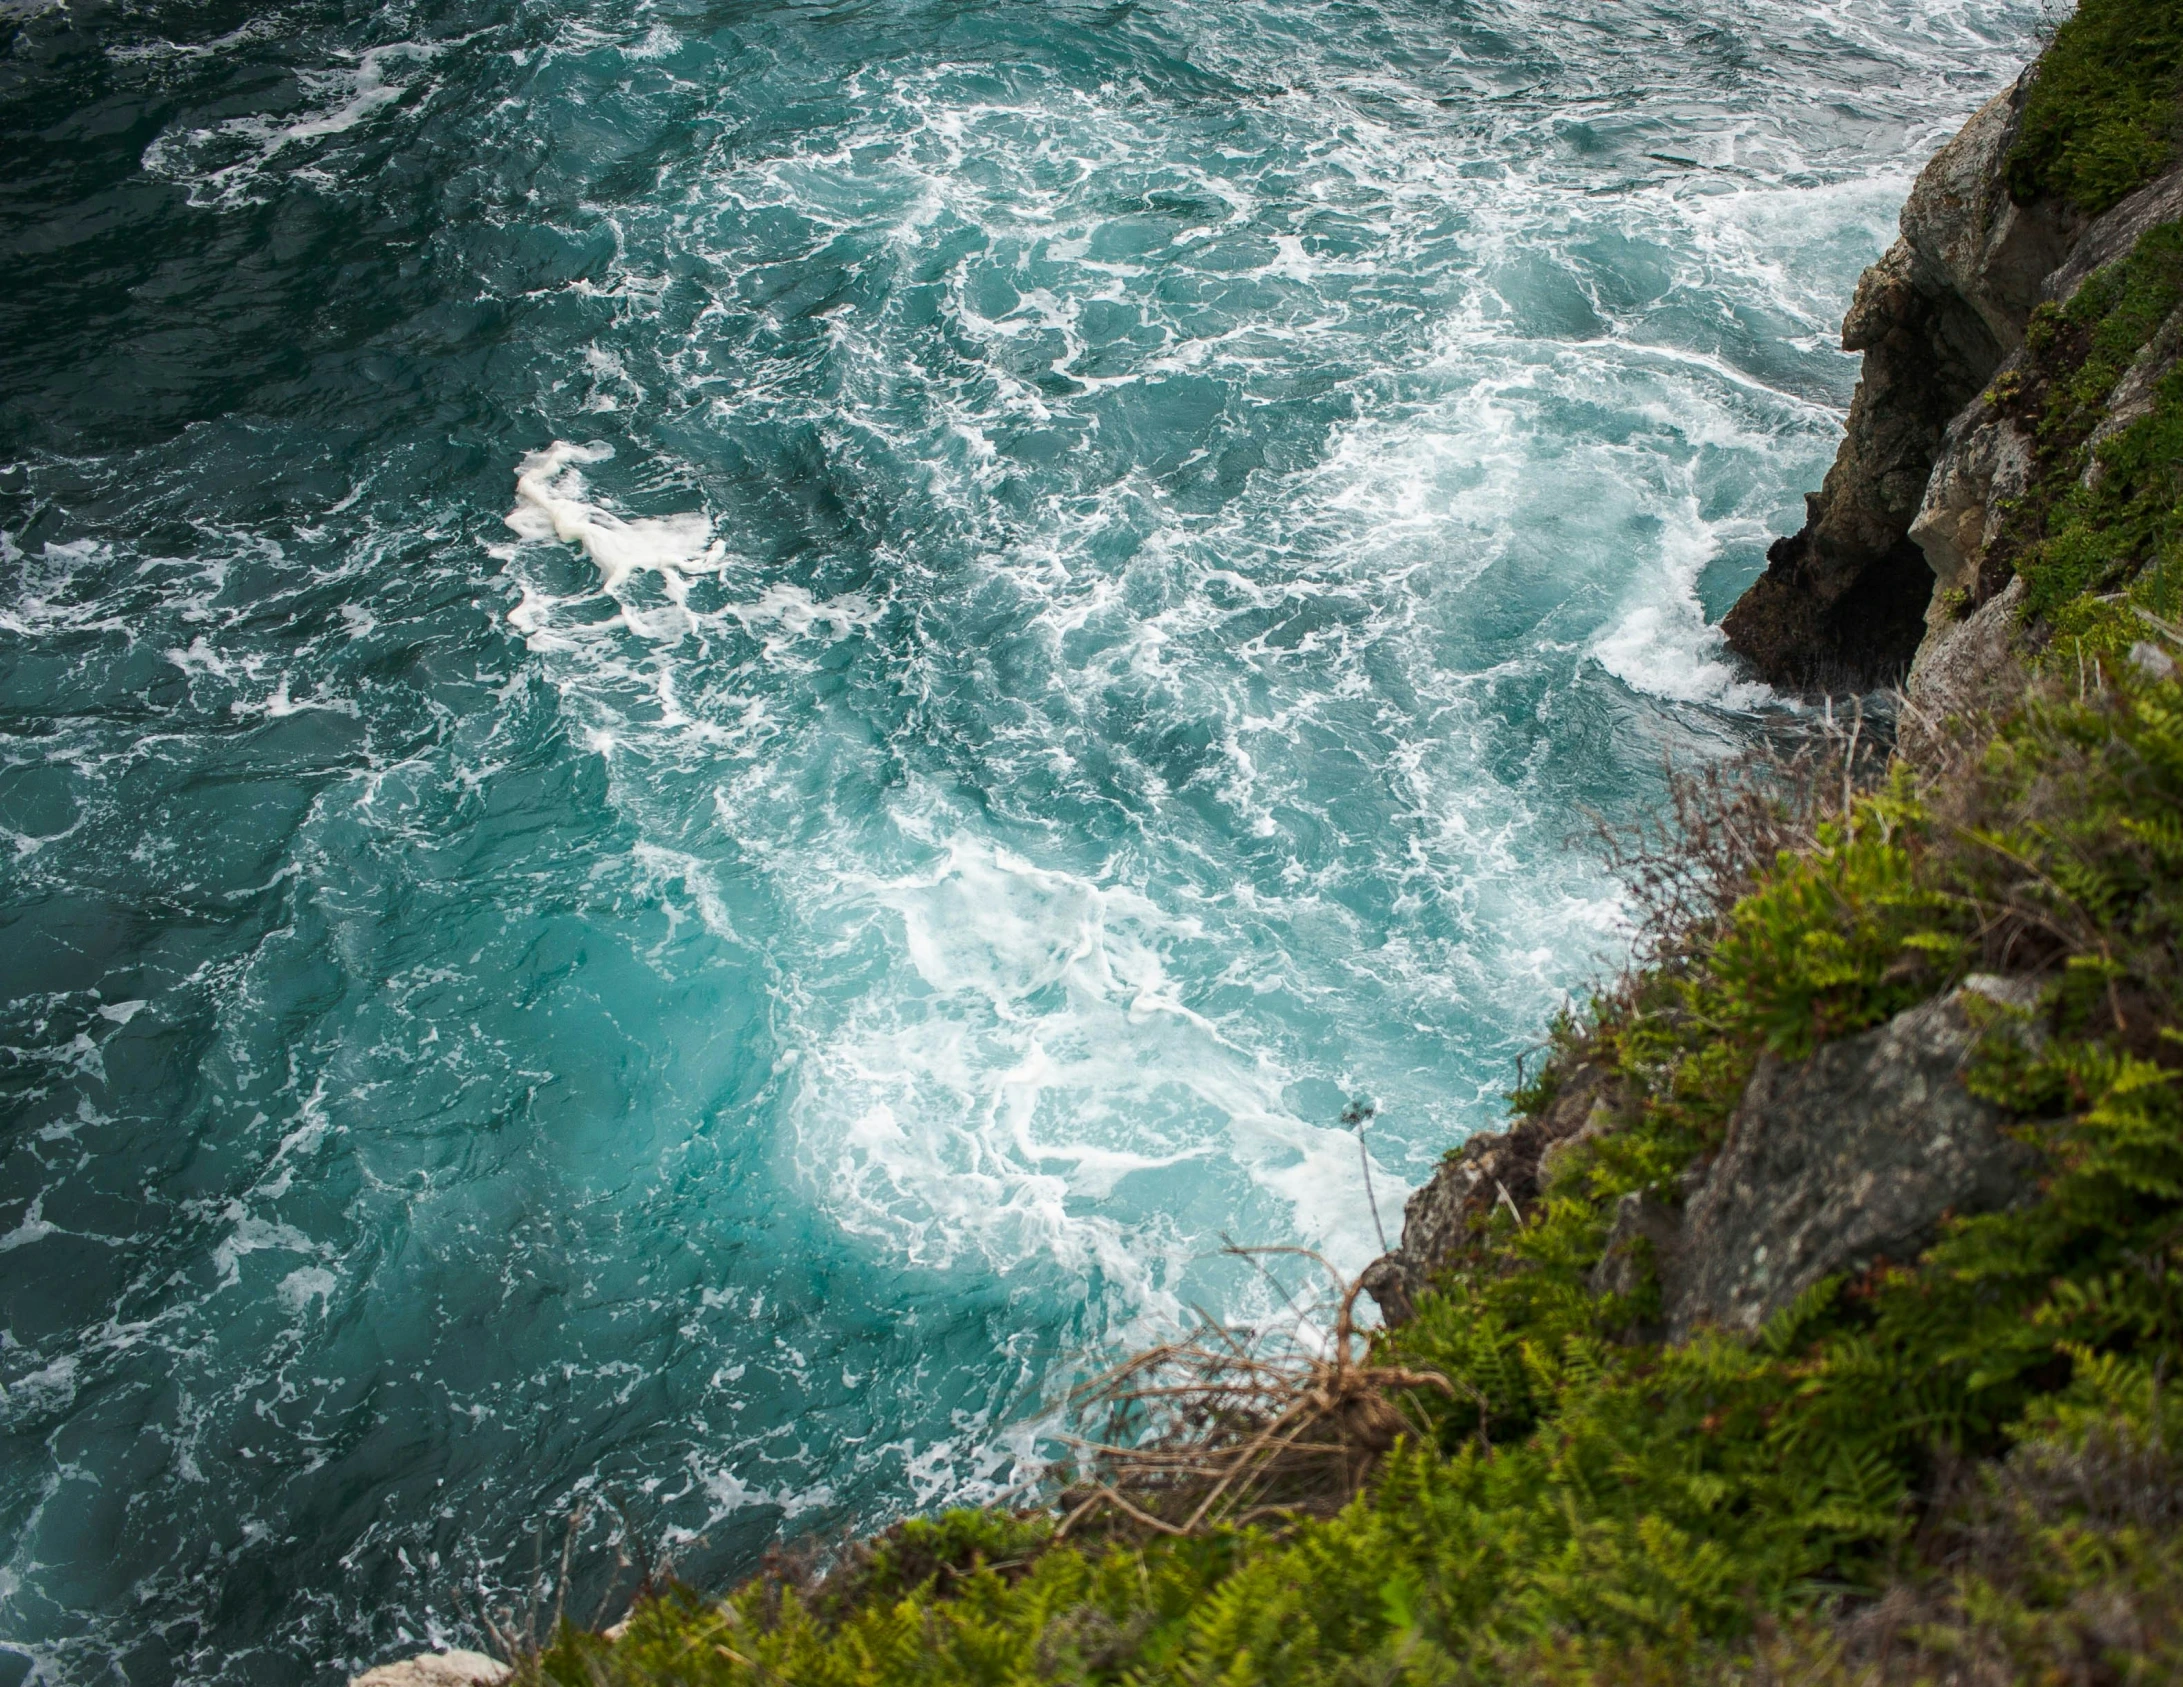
(1639, 1217)
(1985, 461)
(1435, 1220)
(2152, 661)
(1849, 1157)
(1844, 602)
(1966, 670)
(1969, 664)
(437, 1669)
(1574, 1120)
(1492, 1169)
(1970, 240)
(2139, 389)
(2115, 232)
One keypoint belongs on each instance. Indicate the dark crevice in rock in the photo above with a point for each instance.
(1842, 604)
(1822, 620)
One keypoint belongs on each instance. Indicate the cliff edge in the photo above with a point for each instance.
(2049, 184)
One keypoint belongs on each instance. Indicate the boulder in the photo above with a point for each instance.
(437, 1669)
(1847, 1158)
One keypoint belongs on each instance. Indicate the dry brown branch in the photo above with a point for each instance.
(1223, 1427)
(1725, 822)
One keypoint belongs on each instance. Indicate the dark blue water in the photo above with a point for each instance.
(717, 724)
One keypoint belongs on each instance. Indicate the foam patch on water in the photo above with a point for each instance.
(231, 163)
(550, 504)
(1661, 644)
(1045, 1057)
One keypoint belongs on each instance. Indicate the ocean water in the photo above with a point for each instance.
(720, 724)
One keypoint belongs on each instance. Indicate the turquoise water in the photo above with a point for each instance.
(721, 723)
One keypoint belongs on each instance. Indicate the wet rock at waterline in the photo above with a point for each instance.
(1842, 604)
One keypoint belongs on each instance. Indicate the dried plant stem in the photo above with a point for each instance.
(1225, 1426)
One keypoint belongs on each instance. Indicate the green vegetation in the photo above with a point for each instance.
(2101, 528)
(2104, 115)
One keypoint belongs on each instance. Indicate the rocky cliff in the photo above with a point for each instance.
(1895, 573)
(2007, 498)
(1816, 1317)
(1842, 603)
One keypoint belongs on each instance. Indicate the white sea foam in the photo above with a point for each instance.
(1045, 1058)
(306, 1284)
(550, 504)
(1660, 642)
(33, 1226)
(229, 163)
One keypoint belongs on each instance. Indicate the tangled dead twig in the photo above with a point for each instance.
(1222, 1427)
(1726, 821)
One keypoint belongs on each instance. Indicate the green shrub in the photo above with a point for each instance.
(2107, 517)
(2102, 115)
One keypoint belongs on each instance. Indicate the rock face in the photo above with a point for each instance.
(1969, 662)
(436, 1669)
(1965, 667)
(1843, 602)
(1489, 1170)
(1830, 1165)
(1844, 1159)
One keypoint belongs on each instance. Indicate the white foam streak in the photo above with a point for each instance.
(229, 163)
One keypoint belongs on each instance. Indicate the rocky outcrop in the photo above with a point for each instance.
(1495, 1168)
(1842, 1160)
(1985, 461)
(1843, 602)
(1830, 1165)
(437, 1669)
(1895, 571)
(1970, 660)
(1970, 665)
